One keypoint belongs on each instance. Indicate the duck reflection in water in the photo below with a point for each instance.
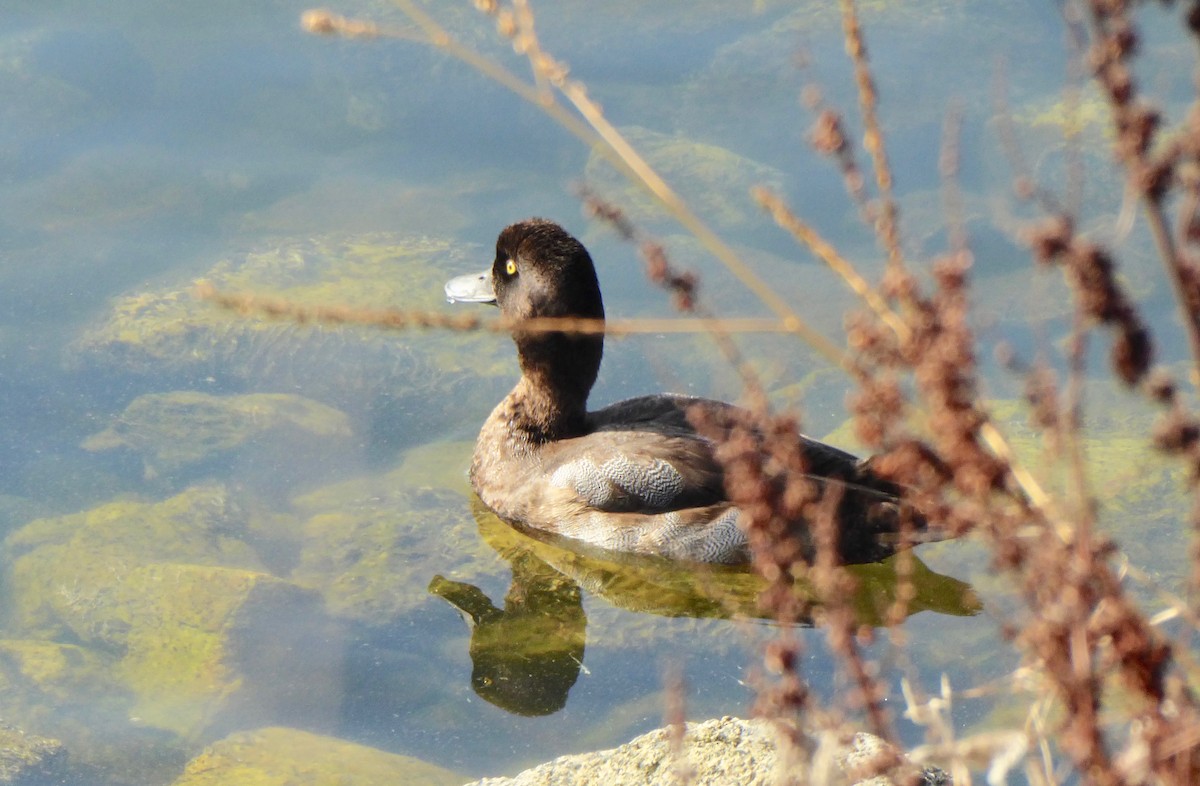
(527, 656)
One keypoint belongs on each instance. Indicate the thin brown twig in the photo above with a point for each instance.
(888, 228)
(683, 286)
(395, 319)
(809, 238)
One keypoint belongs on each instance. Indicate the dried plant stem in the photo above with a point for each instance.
(888, 228)
(395, 319)
(1172, 258)
(1070, 423)
(809, 238)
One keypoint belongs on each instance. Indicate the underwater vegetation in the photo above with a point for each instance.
(171, 334)
(174, 430)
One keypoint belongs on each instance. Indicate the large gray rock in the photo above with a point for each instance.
(727, 751)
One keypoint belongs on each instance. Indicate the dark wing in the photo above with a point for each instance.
(663, 413)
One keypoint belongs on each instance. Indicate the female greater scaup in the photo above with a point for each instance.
(634, 476)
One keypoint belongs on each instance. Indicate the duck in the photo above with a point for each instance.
(636, 476)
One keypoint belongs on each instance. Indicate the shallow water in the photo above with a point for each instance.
(240, 524)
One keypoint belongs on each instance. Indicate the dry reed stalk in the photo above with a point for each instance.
(396, 319)
(888, 228)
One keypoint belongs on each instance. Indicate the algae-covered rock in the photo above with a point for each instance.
(198, 632)
(172, 430)
(363, 202)
(28, 758)
(208, 646)
(35, 99)
(111, 189)
(1127, 475)
(170, 332)
(371, 545)
(71, 693)
(62, 571)
(278, 756)
(714, 180)
(40, 677)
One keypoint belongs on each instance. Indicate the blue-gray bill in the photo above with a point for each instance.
(471, 288)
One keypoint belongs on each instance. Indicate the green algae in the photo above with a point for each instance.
(48, 674)
(70, 692)
(439, 465)
(1123, 469)
(182, 629)
(170, 331)
(1085, 115)
(193, 630)
(62, 570)
(26, 758)
(372, 564)
(277, 756)
(173, 430)
(370, 545)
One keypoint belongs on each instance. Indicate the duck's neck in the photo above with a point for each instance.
(557, 374)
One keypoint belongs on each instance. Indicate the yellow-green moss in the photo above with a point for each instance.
(179, 428)
(63, 572)
(290, 757)
(171, 330)
(370, 545)
(180, 628)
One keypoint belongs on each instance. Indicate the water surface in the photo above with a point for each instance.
(176, 461)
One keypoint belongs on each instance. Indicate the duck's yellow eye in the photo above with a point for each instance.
(511, 268)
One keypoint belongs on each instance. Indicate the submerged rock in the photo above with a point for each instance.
(28, 758)
(714, 180)
(198, 634)
(173, 430)
(61, 570)
(39, 678)
(371, 545)
(290, 757)
(218, 647)
(169, 333)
